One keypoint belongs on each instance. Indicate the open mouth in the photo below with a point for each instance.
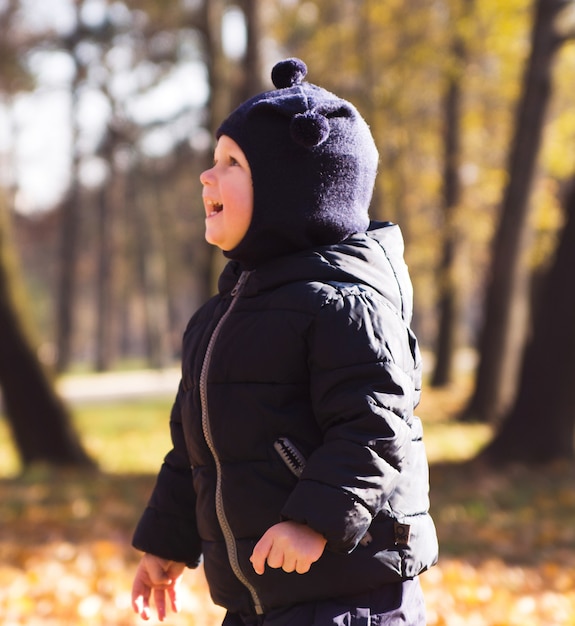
(215, 208)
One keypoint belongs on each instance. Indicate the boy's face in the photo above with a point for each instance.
(228, 195)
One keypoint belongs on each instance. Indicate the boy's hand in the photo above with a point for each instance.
(160, 576)
(289, 545)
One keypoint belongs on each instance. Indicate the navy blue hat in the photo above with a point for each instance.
(313, 162)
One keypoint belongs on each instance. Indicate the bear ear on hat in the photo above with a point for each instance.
(309, 129)
(288, 73)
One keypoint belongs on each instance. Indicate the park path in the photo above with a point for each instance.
(146, 383)
(80, 388)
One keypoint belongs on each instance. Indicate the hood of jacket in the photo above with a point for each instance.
(374, 258)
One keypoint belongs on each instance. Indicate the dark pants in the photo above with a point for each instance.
(392, 605)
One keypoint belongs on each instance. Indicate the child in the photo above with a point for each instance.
(298, 471)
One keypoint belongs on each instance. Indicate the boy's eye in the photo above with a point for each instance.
(231, 161)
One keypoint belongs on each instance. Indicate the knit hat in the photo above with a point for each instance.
(313, 162)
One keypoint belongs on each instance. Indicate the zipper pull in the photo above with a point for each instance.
(241, 282)
(290, 455)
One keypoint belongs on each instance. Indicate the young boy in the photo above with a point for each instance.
(298, 471)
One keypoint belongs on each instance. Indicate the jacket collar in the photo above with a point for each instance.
(374, 258)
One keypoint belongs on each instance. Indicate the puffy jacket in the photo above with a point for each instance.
(299, 382)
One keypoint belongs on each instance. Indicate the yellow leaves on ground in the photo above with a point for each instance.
(507, 538)
(507, 550)
(65, 554)
(495, 593)
(508, 546)
(63, 584)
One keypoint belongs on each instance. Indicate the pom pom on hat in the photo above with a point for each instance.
(289, 73)
(310, 128)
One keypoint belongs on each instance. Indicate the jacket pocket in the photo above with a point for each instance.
(290, 455)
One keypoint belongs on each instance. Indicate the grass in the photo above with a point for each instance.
(131, 436)
(124, 437)
(446, 439)
(127, 437)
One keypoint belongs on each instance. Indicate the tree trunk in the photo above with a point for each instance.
(506, 309)
(69, 218)
(104, 353)
(252, 63)
(218, 108)
(39, 421)
(540, 426)
(448, 301)
(367, 98)
(224, 91)
(152, 274)
(70, 221)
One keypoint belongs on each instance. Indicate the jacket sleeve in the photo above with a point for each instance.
(167, 527)
(364, 372)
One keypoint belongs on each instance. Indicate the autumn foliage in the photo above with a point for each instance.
(507, 538)
(508, 551)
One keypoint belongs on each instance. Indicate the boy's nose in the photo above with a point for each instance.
(206, 177)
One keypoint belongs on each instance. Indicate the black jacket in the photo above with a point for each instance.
(299, 381)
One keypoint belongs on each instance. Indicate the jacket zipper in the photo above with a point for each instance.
(206, 428)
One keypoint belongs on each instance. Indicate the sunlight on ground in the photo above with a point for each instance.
(130, 436)
(507, 538)
(454, 442)
(495, 593)
(87, 584)
(8, 459)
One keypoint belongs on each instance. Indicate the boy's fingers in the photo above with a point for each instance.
(174, 598)
(276, 559)
(160, 601)
(260, 554)
(140, 595)
(152, 578)
(141, 606)
(289, 563)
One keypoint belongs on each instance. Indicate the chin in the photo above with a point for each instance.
(211, 239)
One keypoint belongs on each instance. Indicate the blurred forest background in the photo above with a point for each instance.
(107, 115)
